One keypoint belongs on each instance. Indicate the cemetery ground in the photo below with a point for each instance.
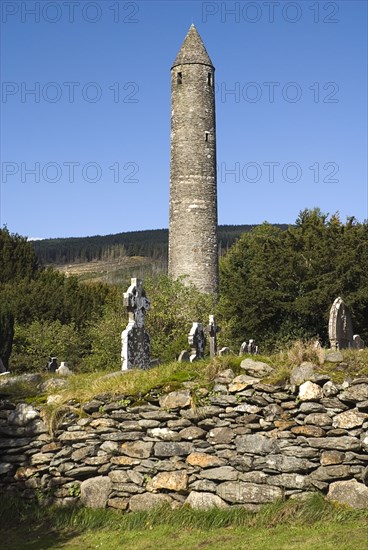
(313, 524)
(137, 385)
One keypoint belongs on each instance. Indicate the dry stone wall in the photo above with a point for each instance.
(247, 443)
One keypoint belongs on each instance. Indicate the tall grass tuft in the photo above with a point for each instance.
(15, 511)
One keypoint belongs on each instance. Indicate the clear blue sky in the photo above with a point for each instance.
(291, 135)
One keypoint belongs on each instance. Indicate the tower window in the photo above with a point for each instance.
(209, 79)
(206, 136)
(179, 78)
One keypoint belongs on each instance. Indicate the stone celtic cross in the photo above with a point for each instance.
(212, 330)
(135, 339)
(197, 342)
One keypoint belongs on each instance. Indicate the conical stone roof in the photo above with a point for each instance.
(192, 50)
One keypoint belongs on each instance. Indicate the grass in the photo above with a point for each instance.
(138, 385)
(314, 523)
(355, 362)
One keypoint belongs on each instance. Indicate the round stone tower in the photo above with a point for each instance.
(193, 187)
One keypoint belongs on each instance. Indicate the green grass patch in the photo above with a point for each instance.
(138, 385)
(314, 523)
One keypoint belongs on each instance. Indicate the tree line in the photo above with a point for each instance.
(152, 244)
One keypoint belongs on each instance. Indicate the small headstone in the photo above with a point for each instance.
(197, 342)
(243, 349)
(63, 370)
(249, 347)
(212, 330)
(317, 343)
(224, 351)
(358, 342)
(184, 357)
(136, 347)
(52, 364)
(340, 328)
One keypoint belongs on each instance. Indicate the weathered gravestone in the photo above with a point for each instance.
(340, 328)
(184, 357)
(248, 348)
(52, 364)
(197, 342)
(63, 370)
(358, 342)
(212, 330)
(136, 349)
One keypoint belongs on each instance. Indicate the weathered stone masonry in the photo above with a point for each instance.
(193, 182)
(248, 444)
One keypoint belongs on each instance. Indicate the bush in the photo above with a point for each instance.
(35, 342)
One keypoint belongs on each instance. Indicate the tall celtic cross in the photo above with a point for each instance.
(136, 349)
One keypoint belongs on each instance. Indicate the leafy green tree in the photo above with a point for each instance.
(279, 285)
(17, 257)
(105, 335)
(53, 296)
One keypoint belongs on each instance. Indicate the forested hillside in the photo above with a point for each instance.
(152, 244)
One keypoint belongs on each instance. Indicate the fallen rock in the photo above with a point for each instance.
(308, 431)
(137, 449)
(302, 373)
(334, 357)
(220, 435)
(204, 501)
(248, 493)
(256, 368)
(33, 379)
(255, 444)
(289, 481)
(118, 503)
(223, 473)
(94, 492)
(358, 392)
(192, 432)
(242, 382)
(173, 481)
(204, 460)
(176, 399)
(22, 415)
(343, 443)
(332, 457)
(147, 501)
(164, 449)
(164, 433)
(52, 384)
(309, 392)
(349, 419)
(352, 493)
